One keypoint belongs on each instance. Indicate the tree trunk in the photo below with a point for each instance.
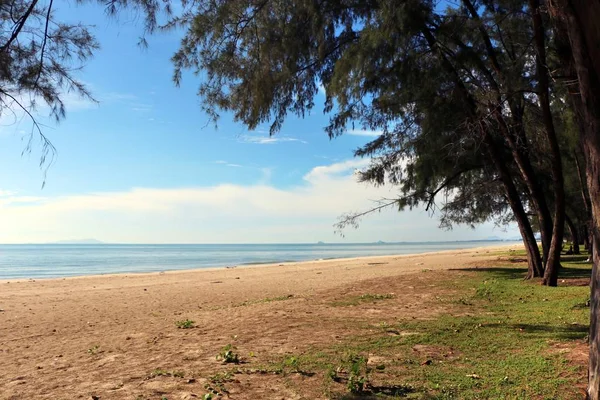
(553, 263)
(534, 190)
(574, 234)
(586, 239)
(579, 19)
(534, 261)
(591, 249)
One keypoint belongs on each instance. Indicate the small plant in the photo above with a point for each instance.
(332, 373)
(292, 362)
(162, 372)
(358, 374)
(227, 355)
(216, 384)
(185, 324)
(94, 350)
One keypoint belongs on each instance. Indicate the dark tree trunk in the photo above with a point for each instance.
(553, 263)
(591, 249)
(579, 20)
(586, 238)
(535, 192)
(534, 260)
(574, 234)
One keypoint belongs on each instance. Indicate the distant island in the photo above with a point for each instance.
(79, 241)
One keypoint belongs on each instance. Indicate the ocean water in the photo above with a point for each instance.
(61, 260)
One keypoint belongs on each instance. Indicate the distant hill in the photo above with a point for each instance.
(79, 241)
(506, 239)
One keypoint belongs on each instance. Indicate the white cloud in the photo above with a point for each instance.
(228, 164)
(268, 139)
(224, 213)
(325, 172)
(363, 132)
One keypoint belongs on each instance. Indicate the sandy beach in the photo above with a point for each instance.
(107, 336)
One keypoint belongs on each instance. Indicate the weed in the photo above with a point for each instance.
(364, 298)
(228, 355)
(184, 324)
(162, 372)
(216, 384)
(292, 362)
(94, 350)
(358, 374)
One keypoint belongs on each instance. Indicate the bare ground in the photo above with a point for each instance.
(115, 337)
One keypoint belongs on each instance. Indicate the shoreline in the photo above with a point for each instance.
(274, 264)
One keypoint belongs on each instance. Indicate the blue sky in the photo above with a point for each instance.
(143, 166)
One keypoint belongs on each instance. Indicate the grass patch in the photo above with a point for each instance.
(497, 343)
(185, 324)
(162, 372)
(265, 300)
(364, 298)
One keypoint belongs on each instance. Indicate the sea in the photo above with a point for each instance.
(62, 260)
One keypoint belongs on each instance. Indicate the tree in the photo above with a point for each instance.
(264, 59)
(576, 23)
(39, 57)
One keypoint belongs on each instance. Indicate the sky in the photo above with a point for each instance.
(145, 165)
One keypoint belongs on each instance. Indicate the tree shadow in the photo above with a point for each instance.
(520, 273)
(562, 332)
(575, 258)
(377, 392)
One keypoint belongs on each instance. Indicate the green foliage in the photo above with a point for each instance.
(39, 57)
(364, 298)
(444, 86)
(358, 374)
(228, 355)
(185, 324)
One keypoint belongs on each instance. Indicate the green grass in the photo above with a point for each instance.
(363, 298)
(185, 324)
(265, 300)
(496, 342)
(162, 372)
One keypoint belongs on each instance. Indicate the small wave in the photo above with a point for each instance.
(268, 262)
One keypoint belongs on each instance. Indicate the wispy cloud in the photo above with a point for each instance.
(268, 139)
(228, 164)
(141, 107)
(363, 132)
